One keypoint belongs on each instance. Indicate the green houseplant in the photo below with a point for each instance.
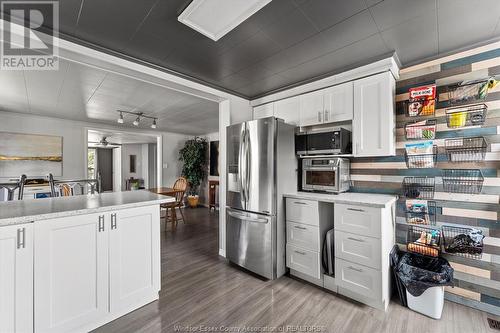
(194, 158)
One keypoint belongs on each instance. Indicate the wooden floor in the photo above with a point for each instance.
(201, 292)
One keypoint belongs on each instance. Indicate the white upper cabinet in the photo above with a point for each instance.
(16, 278)
(263, 111)
(338, 103)
(289, 110)
(373, 122)
(312, 108)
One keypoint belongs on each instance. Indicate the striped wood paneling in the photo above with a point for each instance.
(477, 280)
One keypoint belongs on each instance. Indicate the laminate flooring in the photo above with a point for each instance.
(201, 292)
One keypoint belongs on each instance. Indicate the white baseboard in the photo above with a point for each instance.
(222, 253)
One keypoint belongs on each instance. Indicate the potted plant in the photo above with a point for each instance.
(194, 157)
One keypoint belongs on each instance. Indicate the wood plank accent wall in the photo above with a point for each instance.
(477, 280)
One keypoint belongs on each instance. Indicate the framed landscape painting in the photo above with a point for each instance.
(30, 154)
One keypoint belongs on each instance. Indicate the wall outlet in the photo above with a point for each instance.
(165, 165)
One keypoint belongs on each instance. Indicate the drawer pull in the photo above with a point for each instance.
(355, 269)
(356, 239)
(301, 228)
(356, 209)
(299, 252)
(299, 203)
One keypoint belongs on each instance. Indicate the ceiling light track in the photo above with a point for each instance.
(138, 115)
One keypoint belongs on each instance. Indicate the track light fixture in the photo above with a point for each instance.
(137, 121)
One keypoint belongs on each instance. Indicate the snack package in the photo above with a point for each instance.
(419, 148)
(421, 130)
(417, 206)
(422, 101)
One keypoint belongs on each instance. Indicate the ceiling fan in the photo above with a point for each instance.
(104, 142)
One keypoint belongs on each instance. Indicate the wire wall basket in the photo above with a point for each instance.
(419, 187)
(466, 149)
(422, 240)
(421, 161)
(462, 116)
(468, 91)
(468, 181)
(421, 214)
(419, 130)
(461, 241)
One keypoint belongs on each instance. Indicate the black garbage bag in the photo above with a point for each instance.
(418, 272)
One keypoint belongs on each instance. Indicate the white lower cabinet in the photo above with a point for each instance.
(358, 279)
(16, 278)
(90, 269)
(134, 254)
(303, 260)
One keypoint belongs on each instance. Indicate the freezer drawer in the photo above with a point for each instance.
(250, 241)
(359, 249)
(358, 279)
(302, 235)
(303, 261)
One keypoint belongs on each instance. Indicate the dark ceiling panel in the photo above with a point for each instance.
(390, 13)
(477, 19)
(326, 13)
(410, 45)
(285, 42)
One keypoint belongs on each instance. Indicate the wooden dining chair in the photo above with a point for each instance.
(180, 186)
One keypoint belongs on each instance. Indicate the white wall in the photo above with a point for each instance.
(75, 146)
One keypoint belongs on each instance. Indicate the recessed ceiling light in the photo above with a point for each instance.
(215, 18)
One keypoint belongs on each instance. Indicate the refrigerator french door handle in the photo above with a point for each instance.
(246, 218)
(248, 168)
(241, 163)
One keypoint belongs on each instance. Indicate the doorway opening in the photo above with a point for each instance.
(123, 161)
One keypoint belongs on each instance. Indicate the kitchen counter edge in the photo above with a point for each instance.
(359, 199)
(19, 212)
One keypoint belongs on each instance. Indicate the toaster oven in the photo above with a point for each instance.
(325, 175)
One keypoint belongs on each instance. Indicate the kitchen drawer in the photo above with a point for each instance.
(358, 220)
(302, 211)
(359, 249)
(358, 279)
(302, 235)
(304, 261)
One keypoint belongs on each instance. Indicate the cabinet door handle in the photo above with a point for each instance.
(101, 223)
(356, 209)
(356, 239)
(299, 252)
(299, 203)
(355, 269)
(301, 228)
(327, 115)
(320, 113)
(113, 221)
(21, 238)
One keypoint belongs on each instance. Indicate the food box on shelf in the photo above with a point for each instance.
(422, 101)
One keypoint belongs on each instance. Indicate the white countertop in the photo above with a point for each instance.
(361, 199)
(23, 211)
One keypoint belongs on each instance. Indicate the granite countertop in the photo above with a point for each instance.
(25, 211)
(361, 199)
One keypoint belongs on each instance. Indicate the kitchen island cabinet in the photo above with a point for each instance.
(90, 259)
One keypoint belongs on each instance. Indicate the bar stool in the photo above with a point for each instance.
(12, 187)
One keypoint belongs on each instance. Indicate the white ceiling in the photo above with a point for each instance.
(81, 92)
(117, 137)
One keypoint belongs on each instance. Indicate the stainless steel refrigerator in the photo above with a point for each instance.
(261, 166)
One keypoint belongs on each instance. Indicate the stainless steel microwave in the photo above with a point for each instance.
(326, 175)
(330, 142)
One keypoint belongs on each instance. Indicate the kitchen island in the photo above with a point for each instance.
(72, 264)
